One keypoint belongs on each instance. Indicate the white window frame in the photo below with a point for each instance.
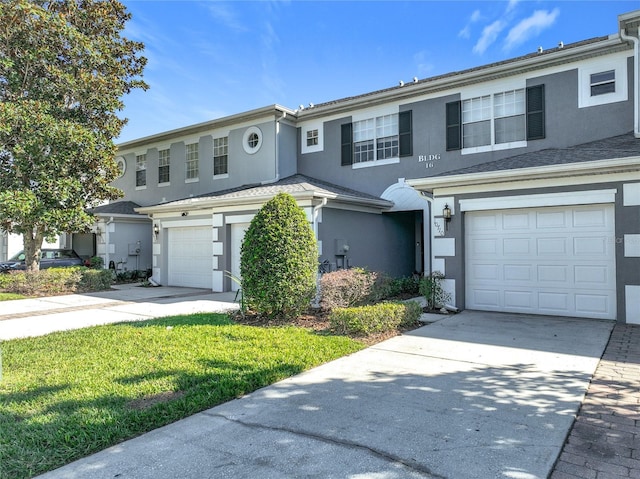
(161, 160)
(192, 157)
(141, 165)
(219, 151)
(618, 65)
(310, 127)
(372, 130)
(488, 112)
(252, 132)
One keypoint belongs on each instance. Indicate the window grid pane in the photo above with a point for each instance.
(476, 134)
(512, 128)
(387, 147)
(363, 151)
(192, 161)
(220, 156)
(364, 130)
(163, 166)
(312, 137)
(476, 109)
(141, 170)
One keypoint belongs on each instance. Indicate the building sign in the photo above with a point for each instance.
(429, 161)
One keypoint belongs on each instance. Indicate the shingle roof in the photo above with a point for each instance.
(623, 146)
(117, 208)
(467, 71)
(295, 184)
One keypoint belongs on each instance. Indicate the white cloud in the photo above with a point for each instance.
(424, 68)
(512, 4)
(225, 15)
(466, 31)
(530, 27)
(489, 35)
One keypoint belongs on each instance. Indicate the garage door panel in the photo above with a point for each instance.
(556, 302)
(518, 272)
(487, 298)
(563, 264)
(516, 221)
(550, 273)
(551, 220)
(593, 303)
(519, 299)
(551, 246)
(590, 218)
(516, 246)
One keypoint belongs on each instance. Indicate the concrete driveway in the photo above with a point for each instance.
(476, 395)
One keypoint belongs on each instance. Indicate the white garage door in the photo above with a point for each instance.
(554, 261)
(191, 257)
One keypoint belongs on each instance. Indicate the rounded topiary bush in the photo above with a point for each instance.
(279, 259)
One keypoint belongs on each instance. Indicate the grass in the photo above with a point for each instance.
(10, 296)
(66, 395)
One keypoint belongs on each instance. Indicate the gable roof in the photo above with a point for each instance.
(299, 186)
(117, 208)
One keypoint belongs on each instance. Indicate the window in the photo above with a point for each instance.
(504, 112)
(385, 137)
(141, 170)
(192, 161)
(163, 166)
(252, 140)
(603, 83)
(375, 139)
(220, 156)
(312, 137)
(502, 118)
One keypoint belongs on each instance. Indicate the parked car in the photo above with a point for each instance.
(50, 258)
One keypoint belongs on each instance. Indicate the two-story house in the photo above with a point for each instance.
(519, 180)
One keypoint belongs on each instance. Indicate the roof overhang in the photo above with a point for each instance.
(456, 80)
(585, 172)
(242, 202)
(252, 115)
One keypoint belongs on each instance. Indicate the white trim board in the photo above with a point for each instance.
(533, 201)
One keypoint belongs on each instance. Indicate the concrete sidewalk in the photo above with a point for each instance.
(476, 395)
(127, 302)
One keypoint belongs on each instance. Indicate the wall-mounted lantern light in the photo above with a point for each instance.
(156, 230)
(446, 214)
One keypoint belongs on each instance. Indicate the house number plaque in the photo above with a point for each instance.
(428, 160)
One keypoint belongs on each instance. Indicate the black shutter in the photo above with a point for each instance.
(347, 142)
(535, 113)
(454, 125)
(405, 133)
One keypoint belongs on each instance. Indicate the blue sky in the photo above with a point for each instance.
(208, 59)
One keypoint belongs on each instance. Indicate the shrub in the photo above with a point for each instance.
(375, 318)
(386, 287)
(94, 280)
(53, 281)
(279, 259)
(346, 287)
(431, 289)
(96, 262)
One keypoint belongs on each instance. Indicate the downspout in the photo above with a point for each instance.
(636, 80)
(276, 152)
(429, 200)
(106, 234)
(314, 216)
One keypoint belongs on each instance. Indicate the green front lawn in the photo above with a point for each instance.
(70, 394)
(10, 296)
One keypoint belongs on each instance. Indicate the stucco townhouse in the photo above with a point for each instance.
(519, 180)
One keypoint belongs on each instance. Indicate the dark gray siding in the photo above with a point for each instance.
(377, 242)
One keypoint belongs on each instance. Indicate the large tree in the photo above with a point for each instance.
(64, 68)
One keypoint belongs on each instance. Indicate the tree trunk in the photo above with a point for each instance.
(33, 249)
